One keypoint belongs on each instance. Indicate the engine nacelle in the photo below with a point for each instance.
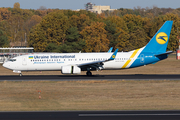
(70, 70)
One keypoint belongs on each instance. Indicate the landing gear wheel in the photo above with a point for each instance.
(20, 74)
(88, 73)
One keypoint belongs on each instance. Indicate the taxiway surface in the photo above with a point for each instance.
(92, 115)
(93, 77)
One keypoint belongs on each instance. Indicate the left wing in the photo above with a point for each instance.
(97, 64)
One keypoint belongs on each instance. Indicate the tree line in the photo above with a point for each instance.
(54, 30)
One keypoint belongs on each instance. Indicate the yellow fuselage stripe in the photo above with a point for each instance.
(128, 61)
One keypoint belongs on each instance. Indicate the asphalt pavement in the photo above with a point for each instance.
(91, 115)
(93, 77)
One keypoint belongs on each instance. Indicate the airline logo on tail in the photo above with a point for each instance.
(161, 38)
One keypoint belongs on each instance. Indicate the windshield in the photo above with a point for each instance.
(12, 60)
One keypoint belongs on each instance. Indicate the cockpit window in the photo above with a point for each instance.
(12, 60)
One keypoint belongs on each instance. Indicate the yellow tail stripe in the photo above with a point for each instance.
(128, 61)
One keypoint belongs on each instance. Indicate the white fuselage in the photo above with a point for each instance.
(55, 61)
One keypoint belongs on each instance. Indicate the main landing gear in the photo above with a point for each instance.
(88, 73)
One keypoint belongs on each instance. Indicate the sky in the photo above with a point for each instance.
(79, 4)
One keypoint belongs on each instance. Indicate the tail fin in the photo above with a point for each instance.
(159, 42)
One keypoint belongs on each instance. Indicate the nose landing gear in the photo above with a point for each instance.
(20, 74)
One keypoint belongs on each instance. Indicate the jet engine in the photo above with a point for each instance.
(70, 70)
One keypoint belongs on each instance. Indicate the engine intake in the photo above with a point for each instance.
(70, 70)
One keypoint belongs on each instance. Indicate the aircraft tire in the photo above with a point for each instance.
(88, 73)
(20, 74)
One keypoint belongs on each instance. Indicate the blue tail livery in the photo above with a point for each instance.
(155, 50)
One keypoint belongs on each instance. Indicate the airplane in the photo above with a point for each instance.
(74, 63)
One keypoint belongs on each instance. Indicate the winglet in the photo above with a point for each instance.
(110, 50)
(113, 55)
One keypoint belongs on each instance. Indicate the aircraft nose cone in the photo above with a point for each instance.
(3, 65)
(6, 65)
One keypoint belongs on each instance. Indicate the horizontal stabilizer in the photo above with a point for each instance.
(168, 52)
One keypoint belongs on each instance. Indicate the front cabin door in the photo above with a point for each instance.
(24, 60)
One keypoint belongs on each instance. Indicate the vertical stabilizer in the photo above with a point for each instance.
(159, 42)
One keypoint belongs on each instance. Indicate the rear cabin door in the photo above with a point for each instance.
(142, 58)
